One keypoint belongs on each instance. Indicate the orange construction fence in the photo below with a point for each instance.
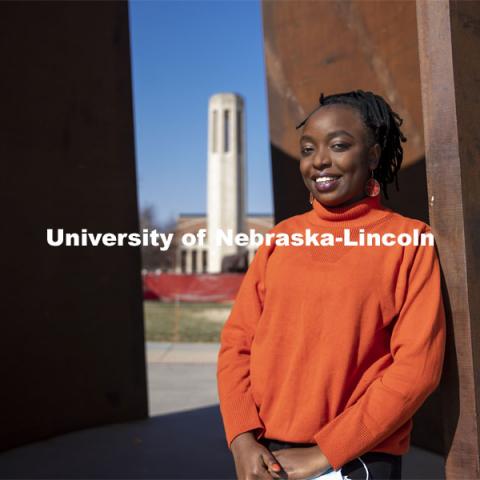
(170, 287)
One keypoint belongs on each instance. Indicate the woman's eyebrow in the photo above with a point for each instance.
(328, 136)
(307, 137)
(340, 132)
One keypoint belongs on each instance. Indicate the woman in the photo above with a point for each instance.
(329, 350)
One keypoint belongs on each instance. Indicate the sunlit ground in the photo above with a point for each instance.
(184, 322)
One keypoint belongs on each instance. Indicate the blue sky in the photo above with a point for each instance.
(182, 53)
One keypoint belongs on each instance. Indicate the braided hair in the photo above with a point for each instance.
(383, 127)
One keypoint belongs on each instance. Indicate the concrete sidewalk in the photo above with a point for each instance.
(182, 439)
(198, 353)
(181, 376)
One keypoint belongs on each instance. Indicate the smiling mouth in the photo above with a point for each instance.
(326, 179)
(326, 184)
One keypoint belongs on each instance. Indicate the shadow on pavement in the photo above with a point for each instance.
(187, 445)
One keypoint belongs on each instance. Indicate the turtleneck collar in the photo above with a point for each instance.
(364, 212)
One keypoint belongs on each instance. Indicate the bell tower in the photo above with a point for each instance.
(225, 174)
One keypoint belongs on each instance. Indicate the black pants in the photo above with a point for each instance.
(381, 465)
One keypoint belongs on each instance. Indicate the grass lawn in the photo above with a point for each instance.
(184, 322)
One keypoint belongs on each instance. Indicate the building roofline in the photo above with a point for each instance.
(254, 214)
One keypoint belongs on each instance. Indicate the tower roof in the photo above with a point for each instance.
(226, 97)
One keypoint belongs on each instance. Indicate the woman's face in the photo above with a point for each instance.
(334, 144)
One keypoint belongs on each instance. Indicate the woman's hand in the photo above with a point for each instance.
(252, 459)
(301, 463)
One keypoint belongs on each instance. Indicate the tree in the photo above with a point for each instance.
(152, 257)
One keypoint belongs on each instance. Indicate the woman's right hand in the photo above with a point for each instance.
(253, 461)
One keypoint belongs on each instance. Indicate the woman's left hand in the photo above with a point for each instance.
(300, 463)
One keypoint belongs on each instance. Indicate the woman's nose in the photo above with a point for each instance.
(321, 159)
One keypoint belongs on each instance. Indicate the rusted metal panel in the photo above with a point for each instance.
(73, 339)
(449, 40)
(335, 46)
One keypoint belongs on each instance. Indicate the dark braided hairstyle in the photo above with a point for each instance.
(383, 127)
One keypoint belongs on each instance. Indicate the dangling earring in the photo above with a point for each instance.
(372, 187)
(311, 198)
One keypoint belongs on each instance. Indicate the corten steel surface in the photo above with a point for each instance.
(72, 328)
(335, 46)
(449, 41)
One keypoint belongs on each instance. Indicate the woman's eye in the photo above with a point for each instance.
(341, 146)
(305, 150)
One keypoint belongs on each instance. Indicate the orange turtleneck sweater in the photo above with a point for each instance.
(334, 345)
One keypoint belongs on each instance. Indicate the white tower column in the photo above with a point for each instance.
(188, 266)
(225, 174)
(251, 254)
(199, 260)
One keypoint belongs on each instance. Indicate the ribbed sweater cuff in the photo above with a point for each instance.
(241, 416)
(341, 446)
